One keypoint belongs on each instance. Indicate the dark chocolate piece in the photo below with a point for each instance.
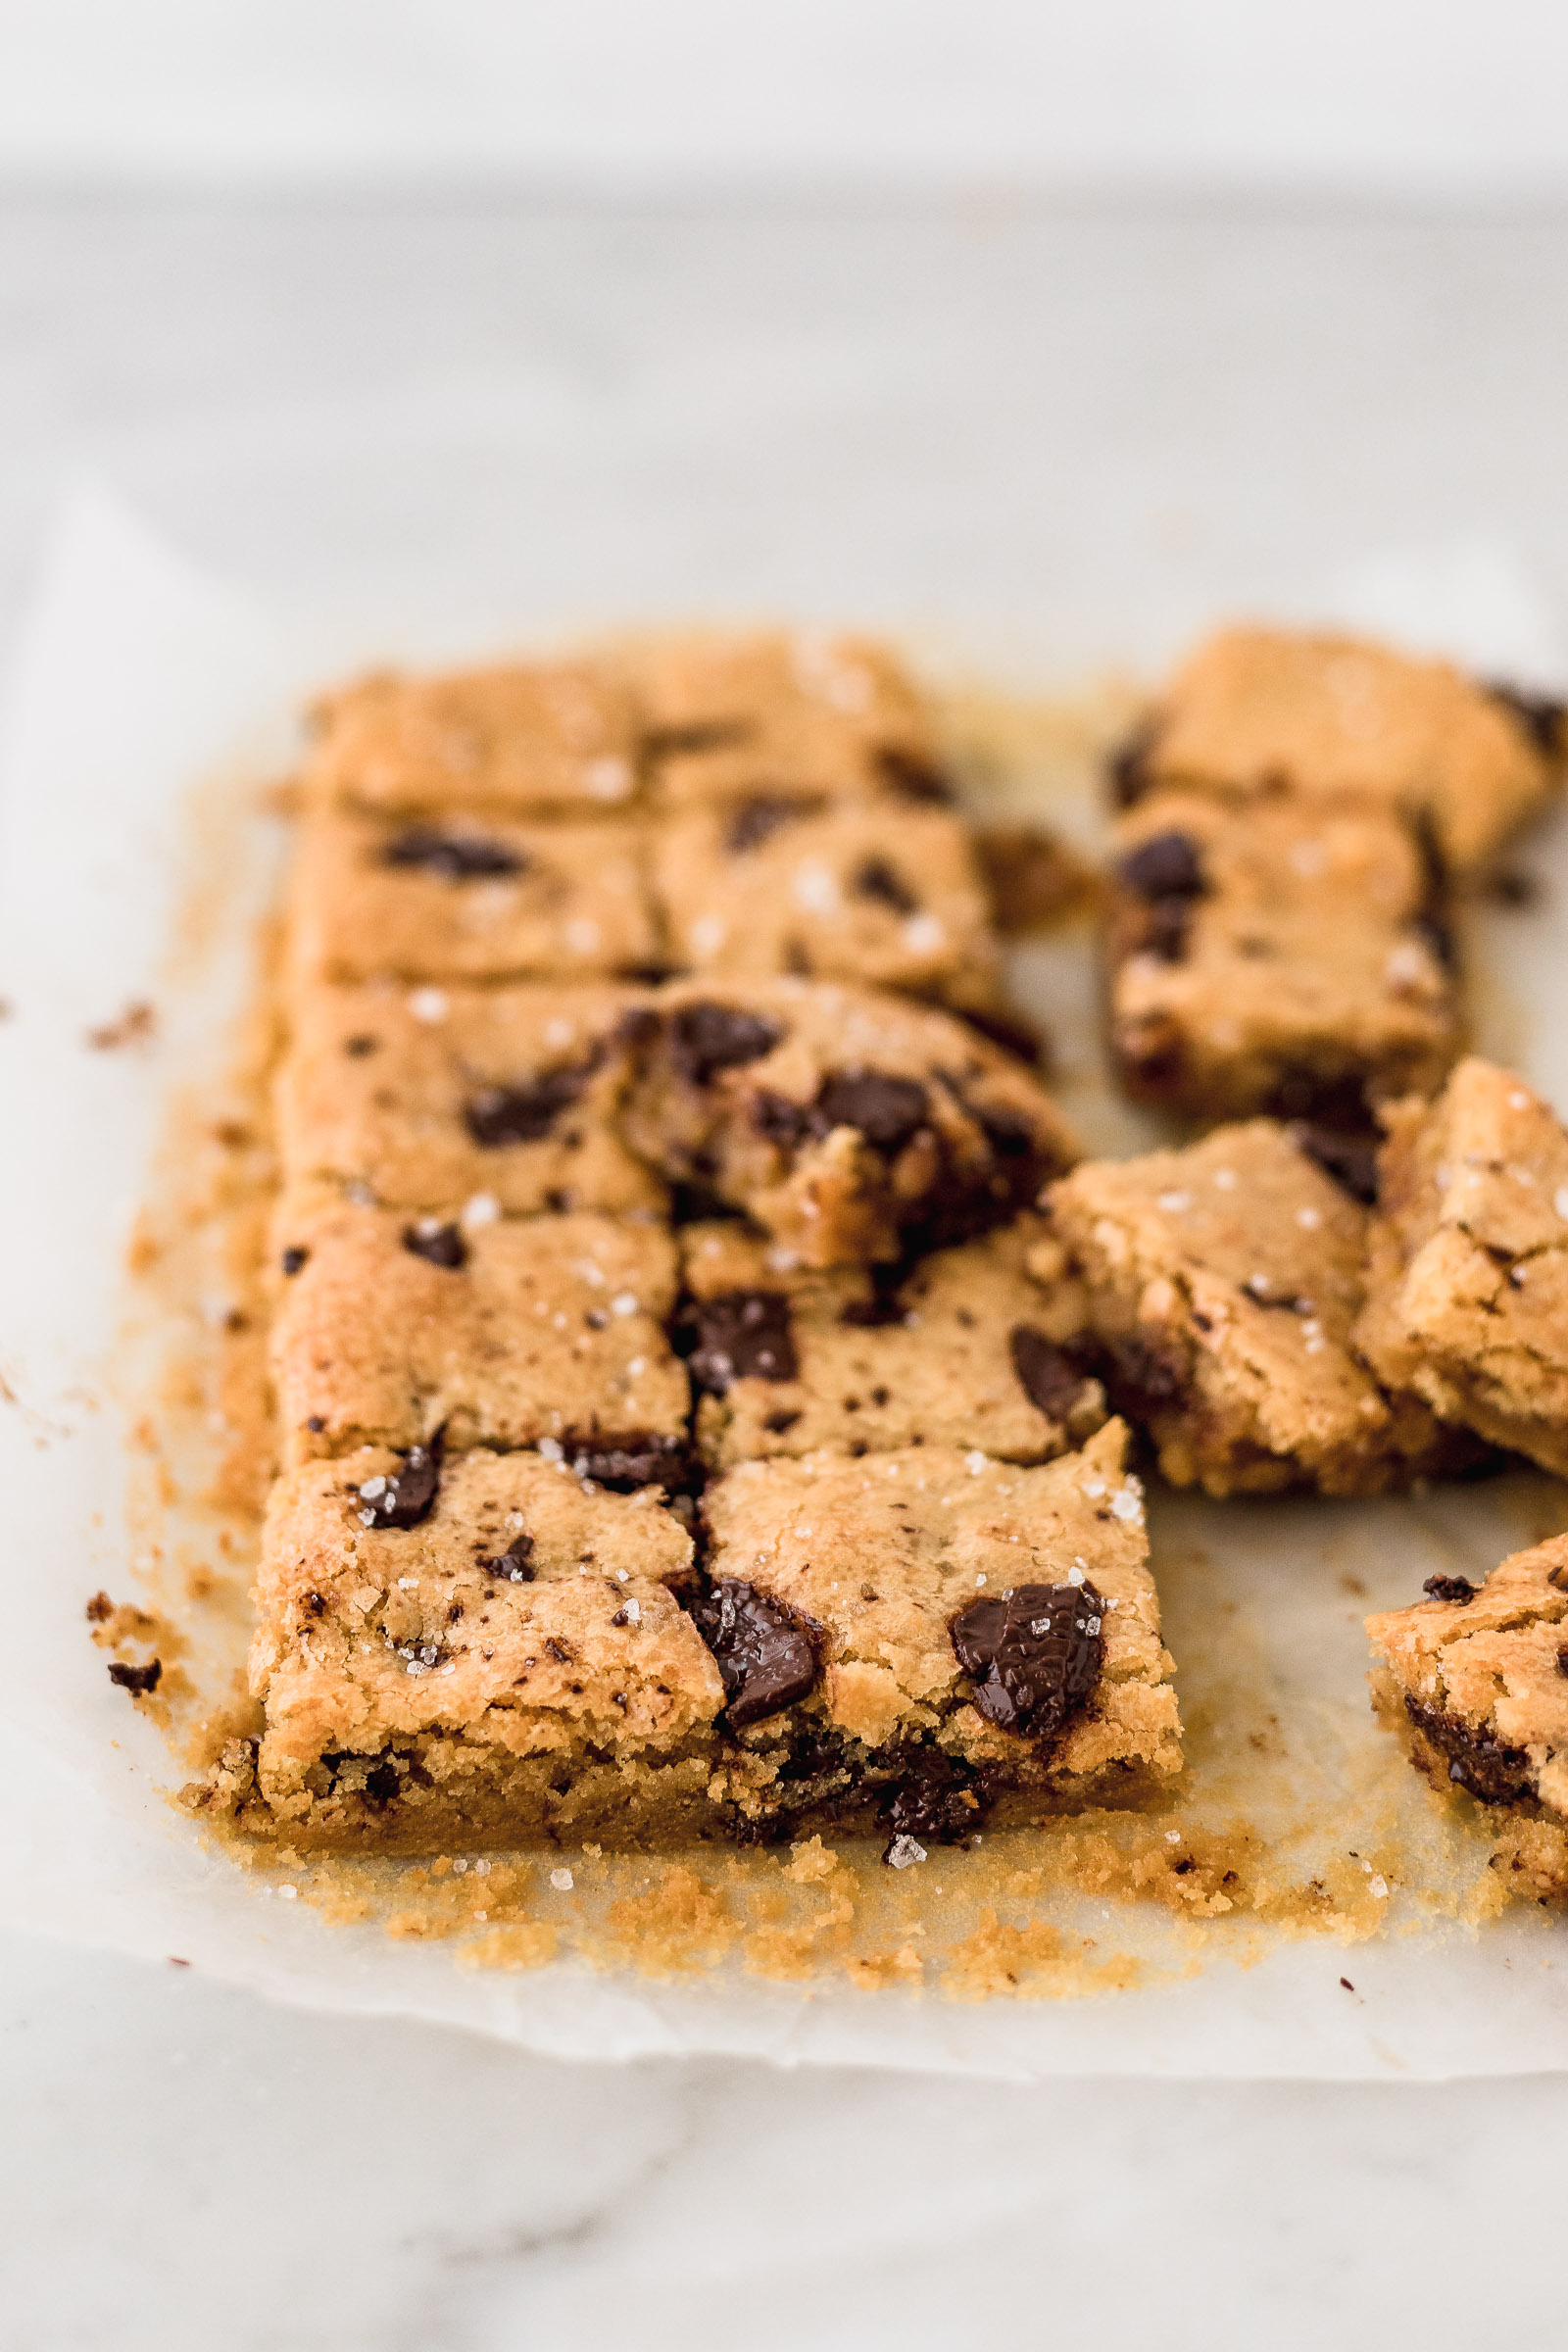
(437, 1244)
(705, 1038)
(1351, 1159)
(293, 1259)
(1484, 1768)
(1047, 1373)
(877, 877)
(936, 1798)
(1168, 865)
(1127, 767)
(758, 819)
(408, 1495)
(140, 1680)
(743, 1335)
(624, 1462)
(515, 1563)
(887, 1112)
(914, 780)
(766, 1658)
(498, 1116)
(455, 857)
(1033, 1655)
(1449, 1587)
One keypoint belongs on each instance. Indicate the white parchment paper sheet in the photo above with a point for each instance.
(135, 677)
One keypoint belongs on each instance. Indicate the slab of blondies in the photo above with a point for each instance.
(1467, 1286)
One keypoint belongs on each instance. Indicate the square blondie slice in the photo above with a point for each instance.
(789, 713)
(853, 889)
(1288, 958)
(466, 898)
(936, 1640)
(849, 1125)
(964, 1347)
(1223, 1283)
(509, 1663)
(1475, 1682)
(1467, 1286)
(518, 738)
(405, 1331)
(1328, 718)
(433, 1097)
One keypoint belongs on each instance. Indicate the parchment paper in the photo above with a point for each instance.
(135, 679)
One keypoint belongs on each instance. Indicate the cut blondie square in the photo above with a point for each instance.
(1467, 1288)
(503, 1659)
(547, 1332)
(963, 1349)
(1287, 957)
(849, 1125)
(1324, 720)
(1223, 1283)
(466, 898)
(1475, 1680)
(936, 1640)
(518, 738)
(431, 1098)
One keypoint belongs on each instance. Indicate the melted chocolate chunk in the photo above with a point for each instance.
(1168, 865)
(1047, 1373)
(914, 780)
(407, 1497)
(437, 1244)
(767, 1659)
(1351, 1159)
(1485, 1768)
(1449, 1587)
(1539, 714)
(887, 1110)
(757, 820)
(498, 1116)
(623, 1462)
(935, 1800)
(293, 1259)
(455, 857)
(878, 878)
(140, 1680)
(515, 1564)
(784, 1122)
(1033, 1655)
(884, 1306)
(743, 1335)
(1127, 768)
(705, 1038)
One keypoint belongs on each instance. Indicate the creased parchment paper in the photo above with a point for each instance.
(135, 683)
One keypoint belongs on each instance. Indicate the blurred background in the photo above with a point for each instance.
(1046, 333)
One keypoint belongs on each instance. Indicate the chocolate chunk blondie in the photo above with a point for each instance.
(964, 1348)
(1224, 1283)
(1467, 1285)
(1287, 957)
(1333, 721)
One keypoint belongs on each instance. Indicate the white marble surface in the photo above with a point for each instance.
(1101, 414)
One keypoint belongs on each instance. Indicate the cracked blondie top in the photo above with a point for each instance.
(1223, 1285)
(1476, 1680)
(1467, 1286)
(964, 1348)
(1332, 718)
(1283, 959)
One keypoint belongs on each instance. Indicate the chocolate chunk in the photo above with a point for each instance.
(1539, 714)
(637, 1458)
(1449, 1587)
(885, 1306)
(437, 1244)
(914, 780)
(887, 1110)
(357, 1047)
(707, 1037)
(1484, 1768)
(515, 1564)
(877, 877)
(293, 1259)
(140, 1680)
(1145, 1376)
(758, 819)
(935, 1800)
(1033, 1655)
(407, 1497)
(1562, 1660)
(1047, 1373)
(766, 1658)
(1166, 930)
(784, 1122)
(455, 857)
(743, 1335)
(1351, 1159)
(1168, 865)
(780, 1424)
(498, 1116)
(1127, 767)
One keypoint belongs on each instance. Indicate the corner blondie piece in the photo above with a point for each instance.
(1283, 957)
(964, 1350)
(513, 1663)
(1223, 1283)
(433, 1098)
(782, 713)
(849, 1125)
(402, 1331)
(467, 899)
(1329, 719)
(518, 738)
(935, 1639)
(1475, 1679)
(863, 891)
(1467, 1286)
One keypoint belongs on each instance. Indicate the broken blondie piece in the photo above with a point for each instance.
(1326, 720)
(466, 898)
(1223, 1284)
(399, 1329)
(849, 1125)
(1467, 1284)
(1475, 1680)
(961, 1349)
(934, 1639)
(1287, 957)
